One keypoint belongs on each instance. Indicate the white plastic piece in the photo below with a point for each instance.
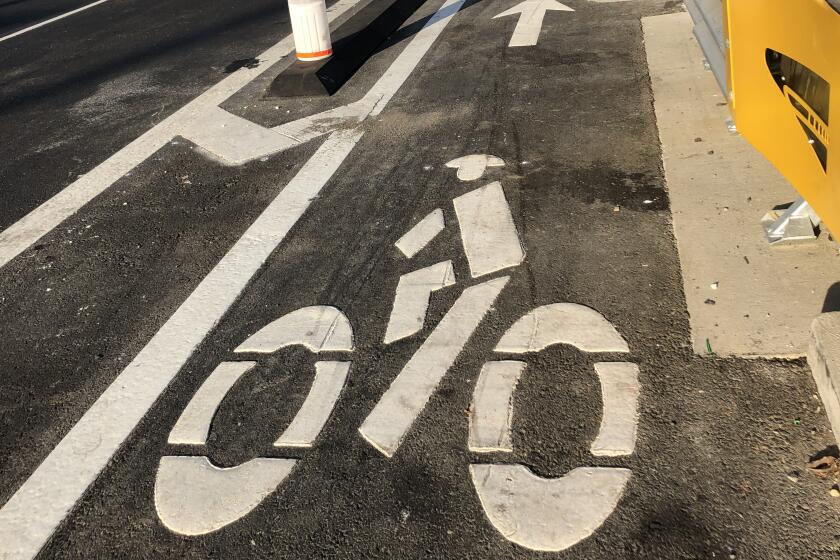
(310, 29)
(412, 299)
(620, 394)
(487, 230)
(193, 427)
(472, 167)
(195, 497)
(491, 413)
(330, 378)
(405, 399)
(547, 514)
(562, 323)
(320, 328)
(421, 234)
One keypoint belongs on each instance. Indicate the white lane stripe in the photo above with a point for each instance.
(405, 399)
(51, 20)
(491, 413)
(40, 221)
(411, 301)
(41, 503)
(193, 427)
(620, 395)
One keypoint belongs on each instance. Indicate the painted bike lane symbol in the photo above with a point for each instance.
(195, 497)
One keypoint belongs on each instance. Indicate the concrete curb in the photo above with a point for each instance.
(824, 359)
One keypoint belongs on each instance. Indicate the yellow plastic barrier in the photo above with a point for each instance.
(784, 76)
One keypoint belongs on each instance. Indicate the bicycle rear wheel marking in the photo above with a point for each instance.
(195, 497)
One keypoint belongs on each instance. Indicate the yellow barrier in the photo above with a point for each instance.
(784, 76)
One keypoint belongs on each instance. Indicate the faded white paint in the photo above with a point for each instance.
(421, 234)
(199, 118)
(407, 396)
(472, 167)
(562, 323)
(547, 514)
(412, 299)
(330, 378)
(26, 231)
(620, 395)
(528, 26)
(234, 140)
(193, 426)
(487, 230)
(320, 328)
(491, 413)
(51, 20)
(194, 497)
(32, 514)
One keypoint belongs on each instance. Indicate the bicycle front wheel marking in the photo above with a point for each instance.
(541, 513)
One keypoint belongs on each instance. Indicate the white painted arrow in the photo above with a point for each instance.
(527, 31)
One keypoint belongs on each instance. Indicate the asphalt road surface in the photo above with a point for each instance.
(436, 315)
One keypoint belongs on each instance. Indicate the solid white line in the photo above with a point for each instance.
(34, 512)
(43, 219)
(56, 18)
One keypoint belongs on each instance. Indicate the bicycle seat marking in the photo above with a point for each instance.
(194, 497)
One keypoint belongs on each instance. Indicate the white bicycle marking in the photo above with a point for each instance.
(330, 378)
(411, 301)
(562, 323)
(491, 412)
(472, 167)
(620, 393)
(487, 230)
(320, 328)
(195, 497)
(405, 399)
(421, 234)
(547, 514)
(554, 514)
(193, 426)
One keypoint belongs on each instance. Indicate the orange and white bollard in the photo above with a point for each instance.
(310, 29)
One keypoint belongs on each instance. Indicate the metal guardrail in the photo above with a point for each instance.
(709, 30)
